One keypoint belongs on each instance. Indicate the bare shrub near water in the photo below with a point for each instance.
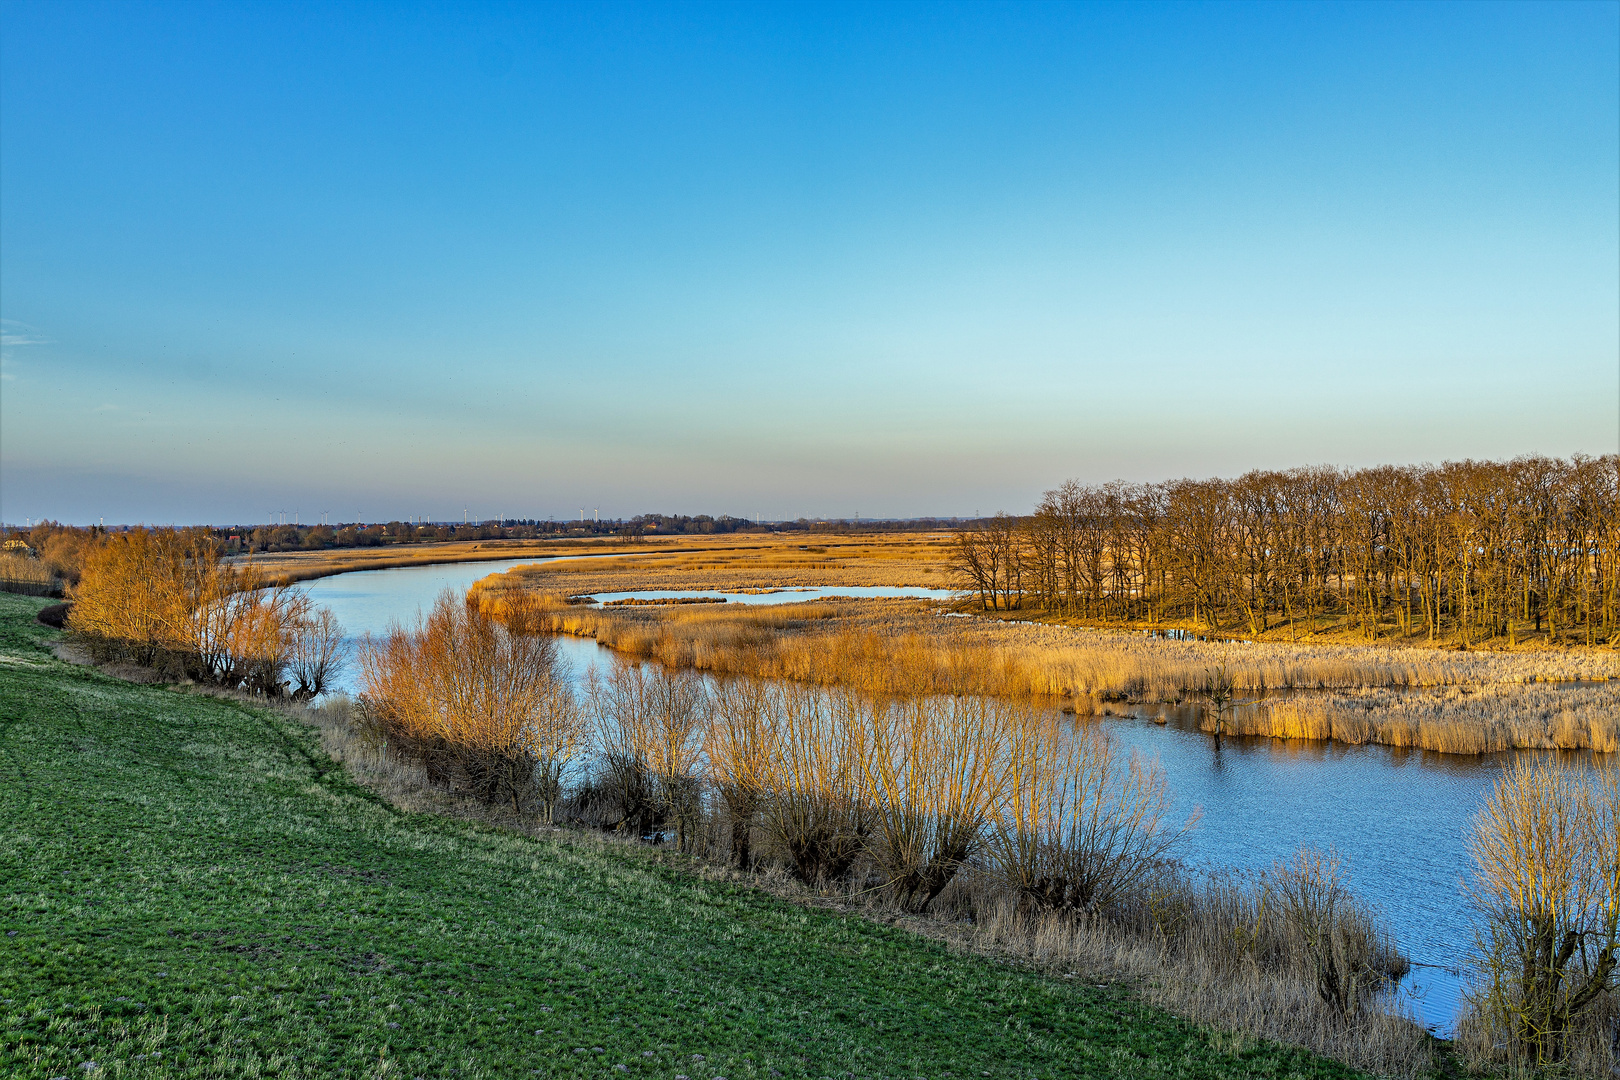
(486, 709)
(1340, 947)
(162, 599)
(1077, 830)
(820, 813)
(1546, 847)
(741, 747)
(936, 773)
(650, 731)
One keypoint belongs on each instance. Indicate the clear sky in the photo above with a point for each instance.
(387, 260)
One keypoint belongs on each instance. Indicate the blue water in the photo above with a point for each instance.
(784, 596)
(1396, 817)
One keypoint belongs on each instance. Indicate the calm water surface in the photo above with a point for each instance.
(785, 596)
(1396, 817)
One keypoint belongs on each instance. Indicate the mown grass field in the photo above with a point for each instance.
(189, 887)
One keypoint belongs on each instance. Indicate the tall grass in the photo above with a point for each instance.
(754, 562)
(1454, 720)
(1472, 702)
(1224, 952)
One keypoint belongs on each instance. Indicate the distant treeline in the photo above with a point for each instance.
(1468, 550)
(57, 546)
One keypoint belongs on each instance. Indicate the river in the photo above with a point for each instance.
(1396, 817)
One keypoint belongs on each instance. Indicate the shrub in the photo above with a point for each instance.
(1076, 831)
(936, 773)
(741, 746)
(486, 709)
(163, 599)
(820, 813)
(649, 728)
(1334, 937)
(1547, 881)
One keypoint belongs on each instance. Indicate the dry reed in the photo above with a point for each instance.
(1454, 720)
(1474, 702)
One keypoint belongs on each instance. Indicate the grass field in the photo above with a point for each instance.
(189, 887)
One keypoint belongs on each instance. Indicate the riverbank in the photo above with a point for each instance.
(194, 886)
(898, 646)
(287, 568)
(1320, 629)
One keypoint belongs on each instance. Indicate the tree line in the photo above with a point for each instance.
(1466, 551)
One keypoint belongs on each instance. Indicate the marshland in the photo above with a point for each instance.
(1262, 834)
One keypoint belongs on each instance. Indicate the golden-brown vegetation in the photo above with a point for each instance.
(1477, 719)
(162, 599)
(755, 563)
(1468, 551)
(294, 566)
(27, 574)
(479, 704)
(1546, 848)
(44, 560)
(891, 804)
(1457, 702)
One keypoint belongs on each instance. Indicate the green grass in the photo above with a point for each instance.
(189, 887)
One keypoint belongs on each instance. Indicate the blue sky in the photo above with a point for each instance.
(395, 260)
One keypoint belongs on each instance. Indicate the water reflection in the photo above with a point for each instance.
(1397, 816)
(782, 596)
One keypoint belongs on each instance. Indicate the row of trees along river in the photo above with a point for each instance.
(1466, 551)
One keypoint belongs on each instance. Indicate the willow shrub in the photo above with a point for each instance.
(1546, 848)
(485, 708)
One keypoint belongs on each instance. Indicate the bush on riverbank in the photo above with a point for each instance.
(162, 599)
(915, 805)
(482, 706)
(1546, 846)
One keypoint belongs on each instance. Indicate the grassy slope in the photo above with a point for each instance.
(190, 888)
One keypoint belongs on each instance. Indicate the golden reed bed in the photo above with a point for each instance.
(907, 647)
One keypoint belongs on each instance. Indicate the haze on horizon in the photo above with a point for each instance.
(789, 260)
